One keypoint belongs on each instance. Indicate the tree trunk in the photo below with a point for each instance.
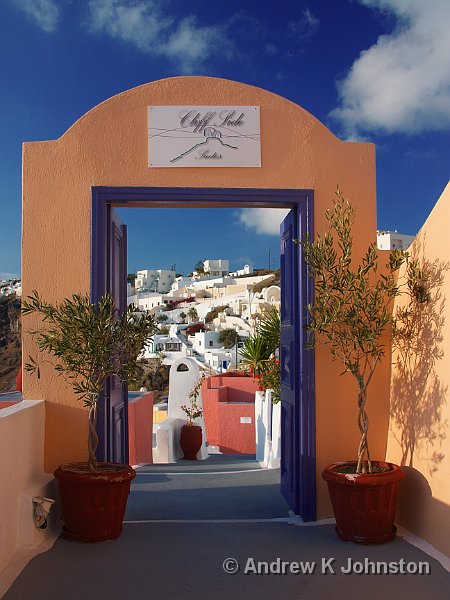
(363, 424)
(92, 437)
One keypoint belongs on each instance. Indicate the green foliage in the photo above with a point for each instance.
(229, 338)
(255, 353)
(261, 352)
(87, 344)
(269, 327)
(162, 318)
(183, 316)
(352, 303)
(418, 283)
(200, 266)
(192, 314)
(271, 378)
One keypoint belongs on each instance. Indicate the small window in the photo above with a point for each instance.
(182, 367)
(210, 343)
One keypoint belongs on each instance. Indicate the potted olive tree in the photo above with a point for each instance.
(191, 437)
(87, 343)
(351, 312)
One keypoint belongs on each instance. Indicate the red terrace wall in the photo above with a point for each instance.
(19, 380)
(210, 400)
(225, 401)
(236, 437)
(7, 403)
(140, 429)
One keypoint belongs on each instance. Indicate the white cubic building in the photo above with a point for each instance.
(204, 340)
(393, 240)
(217, 268)
(247, 270)
(159, 280)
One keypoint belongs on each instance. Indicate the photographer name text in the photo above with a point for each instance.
(327, 566)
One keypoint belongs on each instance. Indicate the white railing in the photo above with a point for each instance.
(268, 430)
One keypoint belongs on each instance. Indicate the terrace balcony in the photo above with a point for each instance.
(186, 525)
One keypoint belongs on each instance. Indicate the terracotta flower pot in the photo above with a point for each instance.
(191, 441)
(93, 503)
(364, 505)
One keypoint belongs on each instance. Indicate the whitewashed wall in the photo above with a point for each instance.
(22, 432)
(168, 447)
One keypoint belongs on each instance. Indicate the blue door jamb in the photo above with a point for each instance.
(156, 197)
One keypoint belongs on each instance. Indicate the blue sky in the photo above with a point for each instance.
(376, 70)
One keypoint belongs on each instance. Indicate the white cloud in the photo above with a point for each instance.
(402, 83)
(144, 24)
(262, 220)
(190, 45)
(45, 13)
(306, 26)
(271, 49)
(138, 22)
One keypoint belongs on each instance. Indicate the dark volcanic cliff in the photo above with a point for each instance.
(10, 342)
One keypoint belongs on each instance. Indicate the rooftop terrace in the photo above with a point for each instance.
(184, 524)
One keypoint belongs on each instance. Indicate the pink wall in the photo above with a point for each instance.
(140, 429)
(225, 401)
(242, 388)
(236, 437)
(108, 146)
(210, 400)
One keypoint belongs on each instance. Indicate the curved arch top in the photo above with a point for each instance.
(192, 90)
(108, 146)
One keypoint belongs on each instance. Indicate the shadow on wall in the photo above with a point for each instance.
(413, 495)
(418, 396)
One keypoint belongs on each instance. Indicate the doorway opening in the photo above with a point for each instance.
(108, 274)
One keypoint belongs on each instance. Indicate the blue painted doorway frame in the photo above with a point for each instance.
(302, 468)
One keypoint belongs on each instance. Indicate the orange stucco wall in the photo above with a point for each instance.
(108, 146)
(419, 428)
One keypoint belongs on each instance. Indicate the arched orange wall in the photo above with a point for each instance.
(108, 147)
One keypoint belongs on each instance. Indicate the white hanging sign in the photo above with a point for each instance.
(204, 136)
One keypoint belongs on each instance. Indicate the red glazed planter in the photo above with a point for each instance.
(93, 503)
(191, 441)
(364, 505)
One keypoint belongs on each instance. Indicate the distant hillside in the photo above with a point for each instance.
(275, 279)
(10, 342)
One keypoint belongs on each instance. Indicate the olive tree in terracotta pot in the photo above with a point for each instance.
(351, 313)
(87, 343)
